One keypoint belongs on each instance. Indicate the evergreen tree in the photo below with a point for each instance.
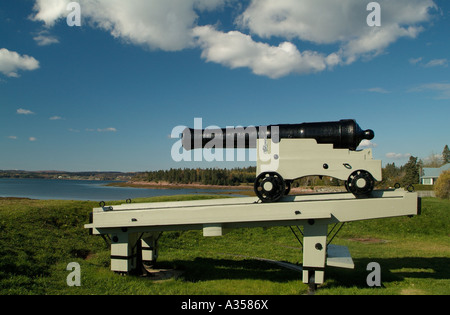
(411, 172)
(446, 155)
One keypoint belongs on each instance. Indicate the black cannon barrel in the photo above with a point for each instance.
(343, 134)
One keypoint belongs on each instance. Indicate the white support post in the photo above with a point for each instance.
(149, 248)
(314, 251)
(123, 251)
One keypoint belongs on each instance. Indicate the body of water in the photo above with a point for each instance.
(83, 190)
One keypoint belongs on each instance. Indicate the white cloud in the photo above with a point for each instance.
(55, 118)
(415, 61)
(377, 90)
(365, 144)
(22, 111)
(49, 11)
(32, 139)
(12, 137)
(110, 129)
(11, 62)
(156, 24)
(235, 50)
(432, 63)
(172, 25)
(398, 156)
(45, 39)
(163, 25)
(443, 90)
(337, 22)
(437, 63)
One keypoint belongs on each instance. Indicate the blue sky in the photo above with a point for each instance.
(106, 95)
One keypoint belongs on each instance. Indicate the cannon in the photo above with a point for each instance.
(290, 151)
(343, 134)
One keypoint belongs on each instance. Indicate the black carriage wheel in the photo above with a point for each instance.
(269, 187)
(288, 187)
(360, 183)
(346, 186)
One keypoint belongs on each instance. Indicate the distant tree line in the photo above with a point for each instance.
(209, 176)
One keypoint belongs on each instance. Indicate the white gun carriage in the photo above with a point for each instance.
(288, 152)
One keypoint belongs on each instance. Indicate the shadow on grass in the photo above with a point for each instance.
(202, 269)
(392, 270)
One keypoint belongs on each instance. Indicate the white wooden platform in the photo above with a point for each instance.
(135, 227)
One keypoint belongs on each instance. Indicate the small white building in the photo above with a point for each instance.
(431, 174)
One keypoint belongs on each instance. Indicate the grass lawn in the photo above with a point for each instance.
(38, 239)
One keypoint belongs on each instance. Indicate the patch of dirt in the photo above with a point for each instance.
(82, 253)
(368, 240)
(162, 274)
(89, 256)
(412, 292)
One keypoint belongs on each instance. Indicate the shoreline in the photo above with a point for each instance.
(244, 188)
(167, 185)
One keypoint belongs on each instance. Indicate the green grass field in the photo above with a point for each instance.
(38, 239)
